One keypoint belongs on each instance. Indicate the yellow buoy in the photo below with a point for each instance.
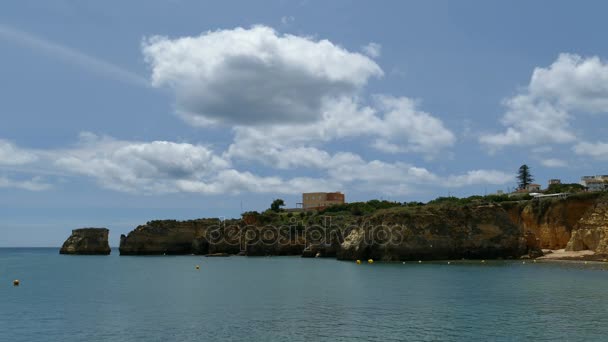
(535, 261)
(403, 262)
(420, 261)
(358, 262)
(449, 262)
(197, 267)
(483, 261)
(585, 263)
(523, 262)
(16, 282)
(370, 261)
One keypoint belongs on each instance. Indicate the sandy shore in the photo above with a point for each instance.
(562, 254)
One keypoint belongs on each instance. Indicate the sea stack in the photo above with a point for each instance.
(87, 241)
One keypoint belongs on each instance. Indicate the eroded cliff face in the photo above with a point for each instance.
(507, 230)
(168, 237)
(435, 233)
(591, 232)
(211, 236)
(87, 241)
(551, 220)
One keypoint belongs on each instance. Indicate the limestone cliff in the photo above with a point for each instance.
(87, 241)
(435, 233)
(168, 237)
(402, 232)
(591, 232)
(551, 220)
(210, 236)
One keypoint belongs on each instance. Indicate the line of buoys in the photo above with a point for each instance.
(16, 282)
(370, 261)
(358, 262)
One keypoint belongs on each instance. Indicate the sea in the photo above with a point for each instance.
(166, 298)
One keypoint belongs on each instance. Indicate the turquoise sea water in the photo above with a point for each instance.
(113, 298)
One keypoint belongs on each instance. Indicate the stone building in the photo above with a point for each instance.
(320, 200)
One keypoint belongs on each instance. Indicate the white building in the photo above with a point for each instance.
(595, 183)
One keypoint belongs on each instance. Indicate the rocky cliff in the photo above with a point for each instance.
(435, 233)
(551, 220)
(591, 232)
(87, 241)
(211, 236)
(402, 232)
(168, 237)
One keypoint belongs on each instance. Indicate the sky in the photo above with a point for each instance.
(114, 113)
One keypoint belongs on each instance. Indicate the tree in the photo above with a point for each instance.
(524, 177)
(277, 204)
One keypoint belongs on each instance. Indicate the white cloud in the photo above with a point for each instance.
(136, 166)
(597, 150)
(34, 184)
(11, 155)
(554, 162)
(372, 49)
(574, 82)
(416, 130)
(476, 177)
(255, 76)
(288, 19)
(166, 167)
(396, 127)
(542, 113)
(72, 56)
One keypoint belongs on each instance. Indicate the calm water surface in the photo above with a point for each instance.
(98, 298)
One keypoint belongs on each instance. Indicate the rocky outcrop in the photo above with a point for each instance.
(435, 233)
(551, 220)
(591, 232)
(211, 237)
(168, 237)
(419, 232)
(87, 241)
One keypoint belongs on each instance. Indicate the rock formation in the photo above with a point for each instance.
(87, 241)
(168, 237)
(435, 233)
(591, 232)
(484, 231)
(551, 220)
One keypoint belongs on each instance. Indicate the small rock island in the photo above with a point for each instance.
(87, 241)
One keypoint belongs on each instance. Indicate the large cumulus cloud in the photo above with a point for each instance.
(255, 76)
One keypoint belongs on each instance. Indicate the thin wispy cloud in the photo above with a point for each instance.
(72, 56)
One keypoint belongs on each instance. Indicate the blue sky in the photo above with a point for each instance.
(114, 113)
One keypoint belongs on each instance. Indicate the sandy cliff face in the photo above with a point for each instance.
(591, 231)
(87, 241)
(435, 233)
(551, 220)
